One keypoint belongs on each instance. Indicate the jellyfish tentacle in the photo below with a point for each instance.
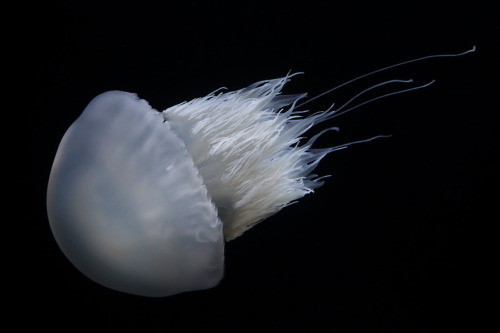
(448, 55)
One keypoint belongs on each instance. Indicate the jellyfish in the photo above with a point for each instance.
(142, 201)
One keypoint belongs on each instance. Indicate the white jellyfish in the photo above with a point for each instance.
(142, 201)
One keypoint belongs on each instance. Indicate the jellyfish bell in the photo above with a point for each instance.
(127, 206)
(141, 201)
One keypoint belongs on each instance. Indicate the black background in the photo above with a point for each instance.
(399, 239)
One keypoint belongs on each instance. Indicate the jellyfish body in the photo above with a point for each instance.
(141, 201)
